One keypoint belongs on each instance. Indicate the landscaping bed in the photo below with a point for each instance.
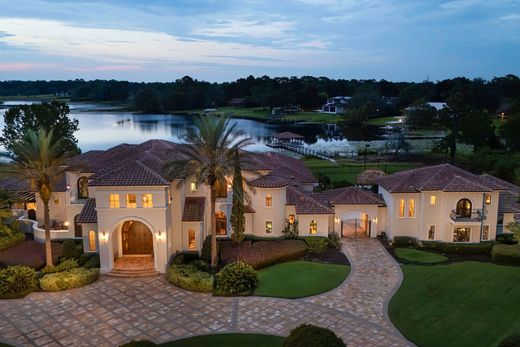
(459, 304)
(29, 253)
(9, 237)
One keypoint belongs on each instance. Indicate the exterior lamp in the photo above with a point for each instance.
(68, 187)
(374, 220)
(103, 236)
(160, 235)
(337, 220)
(66, 223)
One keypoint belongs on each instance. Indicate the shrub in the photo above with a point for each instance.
(69, 250)
(17, 281)
(507, 238)
(205, 253)
(334, 240)
(65, 265)
(317, 244)
(404, 241)
(307, 335)
(506, 254)
(93, 263)
(84, 258)
(260, 254)
(291, 230)
(190, 278)
(511, 341)
(236, 278)
(183, 258)
(64, 280)
(466, 248)
(9, 237)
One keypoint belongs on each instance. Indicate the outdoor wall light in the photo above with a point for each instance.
(103, 236)
(66, 223)
(374, 220)
(68, 187)
(337, 219)
(160, 235)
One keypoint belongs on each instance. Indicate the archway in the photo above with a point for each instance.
(137, 239)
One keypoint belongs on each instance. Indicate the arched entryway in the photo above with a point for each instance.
(136, 238)
(356, 225)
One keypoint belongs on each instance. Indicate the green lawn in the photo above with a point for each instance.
(298, 279)
(346, 171)
(461, 304)
(228, 340)
(418, 256)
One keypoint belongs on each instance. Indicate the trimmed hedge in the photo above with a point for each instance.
(307, 335)
(506, 254)
(511, 341)
(448, 247)
(404, 241)
(184, 258)
(261, 254)
(205, 252)
(317, 244)
(10, 237)
(507, 238)
(17, 281)
(64, 280)
(69, 250)
(236, 278)
(65, 265)
(190, 277)
(93, 263)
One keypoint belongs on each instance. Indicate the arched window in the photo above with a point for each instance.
(221, 223)
(83, 188)
(268, 200)
(313, 227)
(92, 241)
(464, 208)
(78, 229)
(191, 239)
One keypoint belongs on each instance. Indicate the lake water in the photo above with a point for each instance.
(102, 127)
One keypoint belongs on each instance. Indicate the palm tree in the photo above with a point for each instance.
(38, 158)
(210, 157)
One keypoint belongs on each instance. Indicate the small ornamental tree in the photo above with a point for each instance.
(237, 210)
(514, 227)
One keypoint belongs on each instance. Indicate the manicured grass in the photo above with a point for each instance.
(228, 340)
(345, 172)
(298, 279)
(381, 121)
(418, 256)
(461, 304)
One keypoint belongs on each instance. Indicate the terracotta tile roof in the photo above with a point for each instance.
(268, 181)
(444, 177)
(193, 209)
(508, 203)
(88, 213)
(248, 209)
(350, 196)
(132, 173)
(305, 203)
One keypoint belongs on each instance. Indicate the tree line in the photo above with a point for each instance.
(309, 92)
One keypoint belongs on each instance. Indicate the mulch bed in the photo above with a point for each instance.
(331, 256)
(29, 253)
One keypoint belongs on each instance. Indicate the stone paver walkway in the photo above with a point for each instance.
(113, 311)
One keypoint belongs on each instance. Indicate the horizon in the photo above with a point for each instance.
(404, 40)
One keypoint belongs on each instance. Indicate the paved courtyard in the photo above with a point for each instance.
(113, 311)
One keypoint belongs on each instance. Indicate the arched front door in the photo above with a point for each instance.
(137, 238)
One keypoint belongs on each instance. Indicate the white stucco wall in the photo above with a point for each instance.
(304, 224)
(275, 213)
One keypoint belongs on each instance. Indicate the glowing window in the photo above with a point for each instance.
(291, 219)
(401, 208)
(131, 201)
(268, 200)
(411, 208)
(92, 241)
(313, 227)
(433, 200)
(485, 233)
(193, 186)
(268, 227)
(431, 232)
(191, 239)
(147, 200)
(488, 199)
(113, 201)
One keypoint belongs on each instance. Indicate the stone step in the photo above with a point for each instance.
(132, 274)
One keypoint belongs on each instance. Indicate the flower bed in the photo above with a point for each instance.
(260, 254)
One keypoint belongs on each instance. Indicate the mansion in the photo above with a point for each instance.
(121, 203)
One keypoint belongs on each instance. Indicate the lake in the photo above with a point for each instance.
(102, 127)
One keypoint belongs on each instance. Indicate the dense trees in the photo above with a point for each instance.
(307, 91)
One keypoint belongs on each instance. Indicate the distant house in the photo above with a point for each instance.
(336, 104)
(236, 102)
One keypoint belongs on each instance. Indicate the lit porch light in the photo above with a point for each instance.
(103, 236)
(160, 235)
(337, 220)
(374, 220)
(66, 223)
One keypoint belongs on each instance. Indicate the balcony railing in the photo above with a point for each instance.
(476, 216)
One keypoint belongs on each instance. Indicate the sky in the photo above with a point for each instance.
(222, 40)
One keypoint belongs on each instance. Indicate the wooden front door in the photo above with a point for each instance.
(137, 238)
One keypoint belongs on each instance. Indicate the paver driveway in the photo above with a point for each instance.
(113, 311)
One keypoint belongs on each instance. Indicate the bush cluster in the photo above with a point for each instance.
(405, 241)
(65, 265)
(9, 237)
(307, 335)
(506, 254)
(444, 247)
(260, 254)
(511, 341)
(236, 278)
(183, 258)
(73, 278)
(334, 240)
(17, 281)
(69, 250)
(507, 238)
(317, 244)
(89, 260)
(190, 277)
(205, 252)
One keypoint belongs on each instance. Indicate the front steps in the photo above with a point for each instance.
(133, 266)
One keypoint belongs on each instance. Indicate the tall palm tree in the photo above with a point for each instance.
(210, 155)
(38, 158)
